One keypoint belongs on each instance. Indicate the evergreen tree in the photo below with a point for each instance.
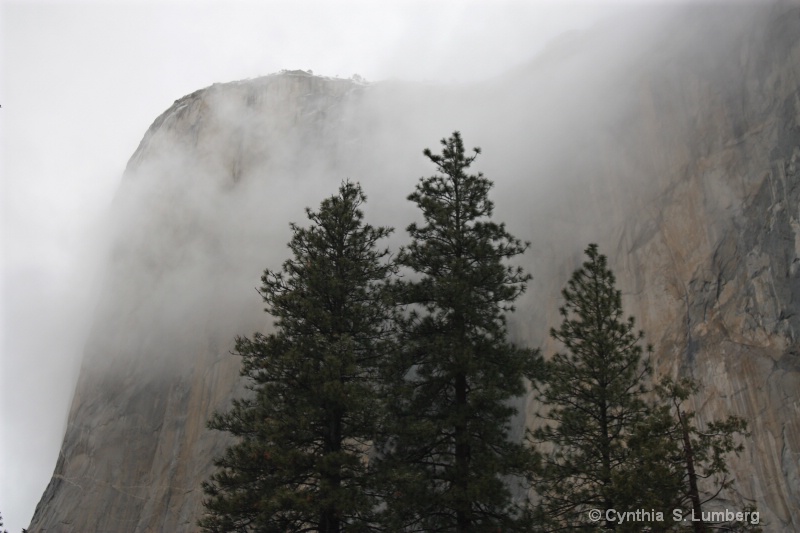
(299, 463)
(606, 444)
(448, 453)
(700, 457)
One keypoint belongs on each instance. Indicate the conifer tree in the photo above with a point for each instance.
(448, 453)
(606, 446)
(700, 459)
(299, 461)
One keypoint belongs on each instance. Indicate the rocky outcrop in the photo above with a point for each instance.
(680, 157)
(189, 250)
(713, 263)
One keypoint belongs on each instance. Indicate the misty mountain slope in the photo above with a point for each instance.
(674, 144)
(191, 244)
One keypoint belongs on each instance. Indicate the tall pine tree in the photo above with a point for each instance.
(700, 457)
(600, 430)
(299, 462)
(448, 454)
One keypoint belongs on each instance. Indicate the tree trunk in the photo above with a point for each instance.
(463, 505)
(694, 492)
(329, 521)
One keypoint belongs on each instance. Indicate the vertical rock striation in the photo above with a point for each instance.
(681, 157)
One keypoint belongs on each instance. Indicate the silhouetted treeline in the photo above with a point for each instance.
(383, 400)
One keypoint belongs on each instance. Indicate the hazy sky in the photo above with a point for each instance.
(81, 83)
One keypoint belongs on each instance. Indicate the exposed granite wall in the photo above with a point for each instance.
(682, 162)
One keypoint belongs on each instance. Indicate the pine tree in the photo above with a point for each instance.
(299, 462)
(606, 445)
(449, 455)
(700, 458)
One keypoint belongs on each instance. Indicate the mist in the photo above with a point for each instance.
(145, 274)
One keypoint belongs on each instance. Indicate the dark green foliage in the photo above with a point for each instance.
(299, 463)
(699, 459)
(448, 458)
(608, 446)
(649, 479)
(594, 396)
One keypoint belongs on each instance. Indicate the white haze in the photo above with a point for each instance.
(82, 82)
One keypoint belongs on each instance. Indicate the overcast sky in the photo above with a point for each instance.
(81, 83)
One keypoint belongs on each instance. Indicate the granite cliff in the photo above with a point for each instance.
(679, 155)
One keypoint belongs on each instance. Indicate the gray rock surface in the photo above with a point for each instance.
(680, 156)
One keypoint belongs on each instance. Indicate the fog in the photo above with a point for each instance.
(82, 82)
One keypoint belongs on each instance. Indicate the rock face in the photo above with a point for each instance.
(680, 157)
